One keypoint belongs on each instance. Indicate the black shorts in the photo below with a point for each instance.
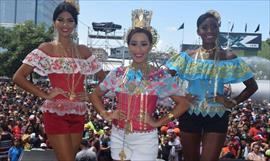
(198, 124)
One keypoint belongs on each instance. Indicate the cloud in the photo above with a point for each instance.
(163, 46)
(159, 45)
(171, 29)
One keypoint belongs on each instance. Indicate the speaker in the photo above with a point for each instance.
(38, 155)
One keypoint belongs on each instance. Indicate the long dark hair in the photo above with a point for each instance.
(68, 7)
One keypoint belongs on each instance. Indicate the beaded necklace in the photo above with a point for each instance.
(72, 84)
(143, 78)
(204, 52)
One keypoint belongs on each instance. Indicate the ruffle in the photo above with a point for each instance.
(170, 87)
(160, 83)
(44, 64)
(212, 109)
(62, 107)
(228, 71)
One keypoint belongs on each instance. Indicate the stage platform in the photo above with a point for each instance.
(38, 155)
(48, 155)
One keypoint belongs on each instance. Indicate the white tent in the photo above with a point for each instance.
(263, 92)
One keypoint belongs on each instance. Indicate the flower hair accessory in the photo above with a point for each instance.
(73, 3)
(216, 15)
(141, 18)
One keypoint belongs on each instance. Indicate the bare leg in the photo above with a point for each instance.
(191, 146)
(64, 146)
(212, 145)
(76, 139)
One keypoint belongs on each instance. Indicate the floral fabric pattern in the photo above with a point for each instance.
(45, 64)
(131, 81)
(57, 68)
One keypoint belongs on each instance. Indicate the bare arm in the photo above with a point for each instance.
(96, 100)
(181, 106)
(20, 79)
(100, 76)
(25, 70)
(251, 88)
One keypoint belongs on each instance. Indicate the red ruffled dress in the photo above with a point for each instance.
(60, 71)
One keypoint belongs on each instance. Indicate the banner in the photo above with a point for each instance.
(241, 41)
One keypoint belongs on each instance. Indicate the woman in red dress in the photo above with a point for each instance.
(66, 64)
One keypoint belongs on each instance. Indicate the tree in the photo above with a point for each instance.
(265, 49)
(19, 41)
(159, 58)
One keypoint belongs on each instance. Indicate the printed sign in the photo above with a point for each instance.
(241, 41)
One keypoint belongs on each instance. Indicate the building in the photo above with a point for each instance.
(100, 53)
(120, 53)
(18, 11)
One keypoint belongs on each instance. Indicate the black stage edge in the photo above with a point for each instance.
(48, 155)
(38, 155)
(218, 160)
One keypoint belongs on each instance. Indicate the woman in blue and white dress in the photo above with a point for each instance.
(207, 69)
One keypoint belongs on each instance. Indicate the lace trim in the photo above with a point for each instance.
(45, 64)
(234, 70)
(62, 107)
(211, 109)
(162, 85)
(117, 128)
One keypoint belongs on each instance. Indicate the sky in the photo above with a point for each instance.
(169, 15)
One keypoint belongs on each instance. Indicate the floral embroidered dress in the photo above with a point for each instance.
(136, 93)
(206, 77)
(62, 73)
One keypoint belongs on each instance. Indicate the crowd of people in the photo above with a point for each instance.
(248, 136)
